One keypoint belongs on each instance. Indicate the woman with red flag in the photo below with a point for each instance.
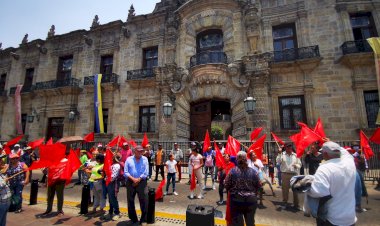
(196, 162)
(113, 189)
(97, 180)
(223, 172)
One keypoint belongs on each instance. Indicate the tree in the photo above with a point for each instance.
(217, 132)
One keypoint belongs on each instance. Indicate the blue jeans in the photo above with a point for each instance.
(112, 196)
(16, 189)
(170, 176)
(279, 174)
(358, 190)
(3, 213)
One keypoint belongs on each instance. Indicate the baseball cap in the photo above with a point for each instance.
(125, 143)
(100, 145)
(17, 145)
(12, 156)
(330, 147)
(193, 143)
(175, 143)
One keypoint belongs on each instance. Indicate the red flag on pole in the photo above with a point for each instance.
(304, 138)
(258, 147)
(367, 150)
(318, 129)
(232, 147)
(193, 184)
(206, 142)
(50, 141)
(277, 139)
(36, 143)
(375, 138)
(52, 153)
(132, 143)
(39, 164)
(14, 141)
(107, 166)
(89, 137)
(159, 193)
(114, 141)
(255, 133)
(73, 163)
(145, 141)
(219, 157)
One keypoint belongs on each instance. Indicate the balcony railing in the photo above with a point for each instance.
(53, 84)
(210, 57)
(223, 117)
(358, 46)
(25, 89)
(296, 54)
(140, 74)
(106, 78)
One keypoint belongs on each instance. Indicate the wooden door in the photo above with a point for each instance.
(55, 128)
(200, 120)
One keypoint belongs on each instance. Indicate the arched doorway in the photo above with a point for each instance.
(207, 114)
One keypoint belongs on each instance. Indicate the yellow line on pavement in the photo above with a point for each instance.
(123, 209)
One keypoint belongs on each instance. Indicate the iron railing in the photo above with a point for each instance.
(106, 78)
(358, 46)
(296, 54)
(53, 84)
(140, 74)
(223, 117)
(209, 57)
(25, 89)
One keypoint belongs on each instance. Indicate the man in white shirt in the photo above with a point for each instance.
(289, 165)
(336, 177)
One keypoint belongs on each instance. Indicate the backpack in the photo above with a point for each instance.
(209, 161)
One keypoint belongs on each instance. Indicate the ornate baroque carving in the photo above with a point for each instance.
(51, 32)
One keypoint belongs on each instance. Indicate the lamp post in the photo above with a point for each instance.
(30, 118)
(167, 109)
(249, 104)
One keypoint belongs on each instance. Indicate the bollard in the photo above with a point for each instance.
(33, 192)
(85, 199)
(151, 206)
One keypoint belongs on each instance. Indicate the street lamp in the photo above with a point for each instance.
(249, 104)
(168, 109)
(30, 118)
(73, 113)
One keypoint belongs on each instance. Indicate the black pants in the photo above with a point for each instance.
(85, 199)
(243, 209)
(58, 188)
(142, 192)
(326, 223)
(161, 168)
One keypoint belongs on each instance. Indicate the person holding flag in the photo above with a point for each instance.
(178, 156)
(209, 160)
(113, 189)
(289, 165)
(196, 162)
(96, 179)
(223, 172)
(5, 193)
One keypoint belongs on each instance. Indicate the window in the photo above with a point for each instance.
(292, 110)
(150, 57)
(64, 67)
(363, 25)
(371, 99)
(23, 122)
(284, 37)
(28, 82)
(106, 65)
(210, 40)
(2, 83)
(105, 119)
(147, 119)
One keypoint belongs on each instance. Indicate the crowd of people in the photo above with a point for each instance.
(242, 176)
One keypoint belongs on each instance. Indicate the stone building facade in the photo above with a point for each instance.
(300, 60)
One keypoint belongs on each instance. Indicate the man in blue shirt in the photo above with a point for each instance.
(136, 171)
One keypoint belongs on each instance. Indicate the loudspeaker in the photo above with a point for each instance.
(200, 215)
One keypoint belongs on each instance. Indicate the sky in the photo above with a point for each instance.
(35, 17)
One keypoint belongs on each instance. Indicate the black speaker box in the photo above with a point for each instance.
(197, 215)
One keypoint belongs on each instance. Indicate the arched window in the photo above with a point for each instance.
(210, 40)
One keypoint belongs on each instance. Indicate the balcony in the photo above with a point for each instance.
(356, 53)
(106, 78)
(58, 87)
(25, 89)
(211, 57)
(296, 54)
(358, 46)
(140, 74)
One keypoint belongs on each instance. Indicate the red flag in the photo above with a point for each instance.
(232, 147)
(255, 133)
(375, 138)
(159, 193)
(107, 166)
(219, 157)
(89, 137)
(258, 147)
(13, 141)
(73, 163)
(114, 141)
(89, 154)
(206, 142)
(319, 130)
(304, 138)
(7, 150)
(36, 143)
(193, 184)
(52, 153)
(132, 143)
(77, 152)
(277, 139)
(367, 150)
(39, 164)
(228, 209)
(50, 141)
(145, 141)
